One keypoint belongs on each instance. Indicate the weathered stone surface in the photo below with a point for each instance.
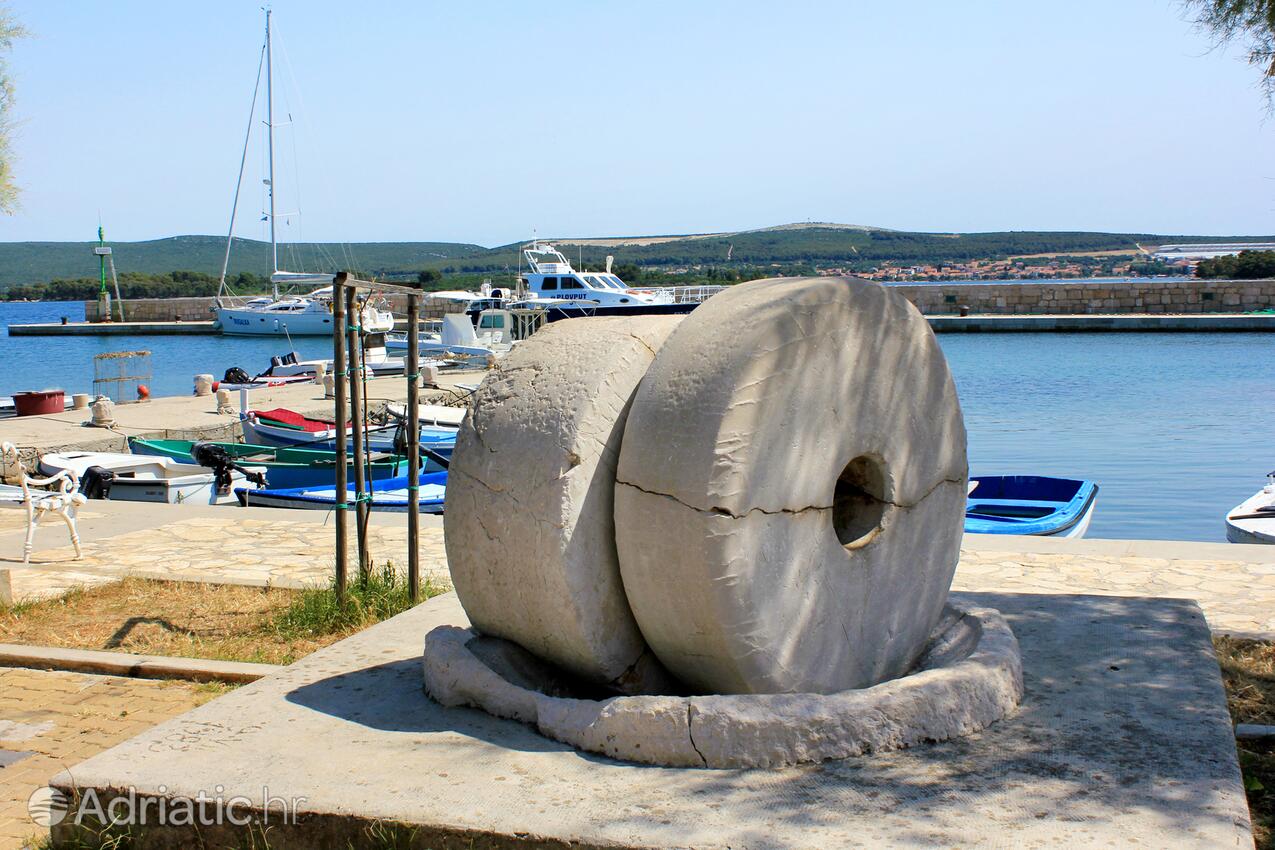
(970, 678)
(1123, 732)
(800, 449)
(529, 515)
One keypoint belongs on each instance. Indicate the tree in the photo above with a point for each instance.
(10, 32)
(1248, 265)
(428, 276)
(1250, 23)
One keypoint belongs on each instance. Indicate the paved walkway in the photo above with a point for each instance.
(1234, 584)
(50, 721)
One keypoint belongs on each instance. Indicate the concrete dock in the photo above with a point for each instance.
(1088, 323)
(192, 417)
(114, 329)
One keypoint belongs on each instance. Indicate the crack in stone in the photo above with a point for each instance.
(721, 511)
(690, 735)
(642, 342)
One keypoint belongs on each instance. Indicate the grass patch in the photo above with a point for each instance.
(368, 599)
(221, 622)
(1248, 671)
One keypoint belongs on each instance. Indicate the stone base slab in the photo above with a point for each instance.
(1122, 737)
(970, 677)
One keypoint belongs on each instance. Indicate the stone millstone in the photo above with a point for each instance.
(791, 488)
(529, 522)
(970, 677)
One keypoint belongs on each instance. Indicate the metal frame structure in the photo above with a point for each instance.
(347, 368)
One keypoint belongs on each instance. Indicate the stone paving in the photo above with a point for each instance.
(61, 719)
(1238, 597)
(283, 553)
(1235, 587)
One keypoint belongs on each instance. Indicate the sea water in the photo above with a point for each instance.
(1175, 428)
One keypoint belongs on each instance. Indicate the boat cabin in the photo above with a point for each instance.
(551, 277)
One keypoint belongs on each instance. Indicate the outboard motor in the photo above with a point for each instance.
(96, 483)
(221, 463)
(235, 375)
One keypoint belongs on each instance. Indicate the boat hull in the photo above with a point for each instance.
(150, 478)
(389, 496)
(379, 440)
(281, 472)
(237, 321)
(1245, 523)
(1030, 505)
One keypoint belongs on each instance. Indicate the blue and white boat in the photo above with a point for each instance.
(288, 429)
(1029, 504)
(1253, 520)
(552, 283)
(388, 495)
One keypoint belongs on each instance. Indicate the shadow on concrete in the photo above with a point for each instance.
(391, 697)
(1124, 724)
(1124, 713)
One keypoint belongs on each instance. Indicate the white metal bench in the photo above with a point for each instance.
(63, 498)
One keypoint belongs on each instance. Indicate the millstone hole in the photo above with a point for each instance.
(858, 501)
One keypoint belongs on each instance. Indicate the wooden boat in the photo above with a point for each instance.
(289, 429)
(1253, 520)
(1029, 504)
(285, 468)
(142, 478)
(389, 495)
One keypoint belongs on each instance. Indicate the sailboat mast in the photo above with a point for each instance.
(274, 246)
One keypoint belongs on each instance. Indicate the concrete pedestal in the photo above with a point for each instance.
(1122, 738)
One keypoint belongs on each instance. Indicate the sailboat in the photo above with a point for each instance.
(293, 315)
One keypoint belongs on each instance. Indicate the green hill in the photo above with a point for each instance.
(39, 262)
(818, 244)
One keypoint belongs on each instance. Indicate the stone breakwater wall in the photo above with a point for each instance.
(1063, 297)
(200, 309)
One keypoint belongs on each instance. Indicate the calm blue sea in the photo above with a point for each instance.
(1175, 428)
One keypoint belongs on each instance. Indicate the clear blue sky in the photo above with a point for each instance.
(478, 122)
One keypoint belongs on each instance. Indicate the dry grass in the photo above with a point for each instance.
(1248, 669)
(185, 619)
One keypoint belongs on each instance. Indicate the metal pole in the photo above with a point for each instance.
(339, 372)
(413, 449)
(274, 245)
(352, 322)
(119, 302)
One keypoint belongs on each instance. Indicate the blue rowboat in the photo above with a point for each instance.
(1029, 504)
(389, 495)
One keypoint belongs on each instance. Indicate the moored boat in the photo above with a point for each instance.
(388, 495)
(285, 468)
(142, 478)
(1029, 504)
(1253, 520)
(289, 429)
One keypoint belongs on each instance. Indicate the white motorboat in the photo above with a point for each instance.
(146, 478)
(1253, 520)
(296, 315)
(429, 414)
(458, 338)
(551, 282)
